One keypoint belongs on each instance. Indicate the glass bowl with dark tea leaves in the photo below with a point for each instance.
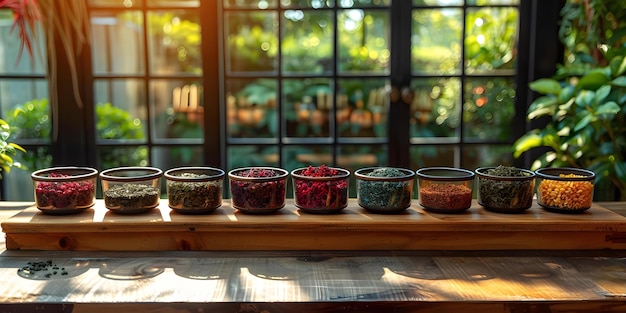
(258, 190)
(194, 190)
(565, 190)
(384, 189)
(133, 189)
(320, 189)
(505, 189)
(445, 189)
(65, 190)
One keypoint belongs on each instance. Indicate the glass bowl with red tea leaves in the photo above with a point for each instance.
(258, 189)
(320, 189)
(384, 189)
(133, 189)
(505, 189)
(445, 189)
(194, 190)
(65, 190)
(565, 190)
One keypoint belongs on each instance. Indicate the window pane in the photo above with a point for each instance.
(116, 156)
(307, 105)
(173, 3)
(487, 155)
(490, 40)
(252, 155)
(307, 43)
(121, 111)
(437, 2)
(362, 108)
(174, 42)
(436, 41)
(489, 108)
(165, 157)
(314, 4)
(436, 109)
(251, 4)
(492, 2)
(10, 49)
(116, 40)
(251, 108)
(307, 155)
(363, 3)
(116, 3)
(19, 92)
(364, 40)
(433, 155)
(177, 108)
(251, 41)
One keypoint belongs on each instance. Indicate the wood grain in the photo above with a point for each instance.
(289, 229)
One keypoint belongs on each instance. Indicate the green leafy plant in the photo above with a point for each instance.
(585, 102)
(8, 150)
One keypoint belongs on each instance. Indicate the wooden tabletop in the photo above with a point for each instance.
(311, 280)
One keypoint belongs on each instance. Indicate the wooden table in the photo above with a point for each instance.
(507, 280)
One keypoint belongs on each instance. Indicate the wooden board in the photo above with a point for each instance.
(289, 229)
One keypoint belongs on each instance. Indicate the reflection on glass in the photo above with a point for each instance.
(490, 39)
(251, 41)
(174, 42)
(435, 109)
(436, 41)
(251, 108)
(116, 156)
(487, 155)
(116, 42)
(177, 108)
(362, 108)
(364, 40)
(251, 155)
(433, 155)
(307, 105)
(307, 42)
(489, 108)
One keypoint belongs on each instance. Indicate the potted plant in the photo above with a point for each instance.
(585, 101)
(8, 150)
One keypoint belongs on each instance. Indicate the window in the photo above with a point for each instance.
(287, 83)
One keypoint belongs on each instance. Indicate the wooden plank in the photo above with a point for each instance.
(353, 229)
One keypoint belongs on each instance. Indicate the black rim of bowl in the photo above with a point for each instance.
(149, 173)
(198, 170)
(343, 174)
(74, 172)
(363, 174)
(445, 174)
(281, 174)
(553, 173)
(480, 173)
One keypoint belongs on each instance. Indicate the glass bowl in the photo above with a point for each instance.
(445, 189)
(384, 189)
(133, 189)
(320, 189)
(565, 190)
(258, 189)
(505, 189)
(194, 190)
(65, 190)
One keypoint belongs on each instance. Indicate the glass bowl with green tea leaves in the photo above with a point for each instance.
(133, 189)
(445, 189)
(258, 190)
(194, 190)
(505, 189)
(384, 189)
(64, 190)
